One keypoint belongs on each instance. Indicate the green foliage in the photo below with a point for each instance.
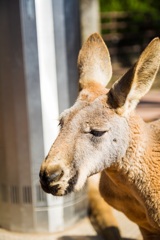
(151, 7)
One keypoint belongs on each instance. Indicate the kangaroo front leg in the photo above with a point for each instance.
(100, 213)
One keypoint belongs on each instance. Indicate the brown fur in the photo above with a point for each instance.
(102, 133)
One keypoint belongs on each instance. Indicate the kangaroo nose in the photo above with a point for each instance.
(56, 176)
(53, 177)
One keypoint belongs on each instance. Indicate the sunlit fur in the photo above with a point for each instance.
(102, 133)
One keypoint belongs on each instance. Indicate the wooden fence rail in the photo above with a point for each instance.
(126, 34)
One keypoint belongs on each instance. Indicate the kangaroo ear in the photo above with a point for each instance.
(94, 62)
(126, 92)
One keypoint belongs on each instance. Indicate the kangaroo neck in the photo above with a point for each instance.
(137, 146)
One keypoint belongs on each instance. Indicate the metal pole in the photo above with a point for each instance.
(38, 79)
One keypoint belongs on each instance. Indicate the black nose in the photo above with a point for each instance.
(45, 179)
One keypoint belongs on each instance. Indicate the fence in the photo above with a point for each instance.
(127, 34)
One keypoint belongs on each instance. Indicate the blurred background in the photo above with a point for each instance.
(127, 27)
(39, 45)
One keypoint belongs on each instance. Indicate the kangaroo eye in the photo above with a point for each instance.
(97, 133)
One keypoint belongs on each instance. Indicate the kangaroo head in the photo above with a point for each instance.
(94, 132)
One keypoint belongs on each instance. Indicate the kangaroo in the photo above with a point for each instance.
(101, 133)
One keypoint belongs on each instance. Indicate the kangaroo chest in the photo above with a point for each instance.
(120, 194)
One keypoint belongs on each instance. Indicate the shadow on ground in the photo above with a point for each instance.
(88, 238)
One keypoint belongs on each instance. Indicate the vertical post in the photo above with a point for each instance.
(38, 79)
(21, 116)
(90, 18)
(67, 45)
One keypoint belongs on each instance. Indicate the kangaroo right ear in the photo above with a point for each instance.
(94, 62)
(126, 92)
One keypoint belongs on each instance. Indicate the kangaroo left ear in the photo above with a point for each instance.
(94, 62)
(126, 92)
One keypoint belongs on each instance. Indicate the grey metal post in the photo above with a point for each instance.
(67, 44)
(90, 17)
(21, 118)
(33, 90)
